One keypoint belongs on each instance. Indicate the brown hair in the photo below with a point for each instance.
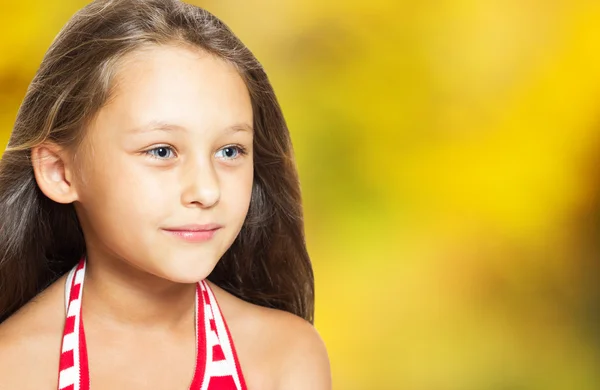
(40, 239)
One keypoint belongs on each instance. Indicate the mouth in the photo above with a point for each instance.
(193, 233)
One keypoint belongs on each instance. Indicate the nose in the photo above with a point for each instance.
(201, 185)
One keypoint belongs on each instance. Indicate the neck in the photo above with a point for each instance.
(120, 295)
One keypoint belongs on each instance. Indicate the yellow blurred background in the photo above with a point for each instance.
(448, 153)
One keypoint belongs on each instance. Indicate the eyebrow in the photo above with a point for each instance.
(157, 125)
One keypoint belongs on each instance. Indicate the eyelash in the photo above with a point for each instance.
(240, 149)
(149, 151)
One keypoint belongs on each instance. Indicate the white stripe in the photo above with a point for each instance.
(69, 342)
(67, 377)
(79, 275)
(211, 339)
(73, 310)
(220, 368)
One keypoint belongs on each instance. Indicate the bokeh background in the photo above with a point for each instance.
(449, 158)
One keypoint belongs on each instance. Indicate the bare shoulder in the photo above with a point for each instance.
(30, 343)
(277, 350)
(302, 352)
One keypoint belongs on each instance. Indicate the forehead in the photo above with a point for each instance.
(181, 85)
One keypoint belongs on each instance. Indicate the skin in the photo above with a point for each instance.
(139, 289)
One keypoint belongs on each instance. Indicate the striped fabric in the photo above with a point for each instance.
(71, 376)
(217, 364)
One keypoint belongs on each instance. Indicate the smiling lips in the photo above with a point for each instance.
(194, 233)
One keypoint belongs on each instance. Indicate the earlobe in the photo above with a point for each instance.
(52, 173)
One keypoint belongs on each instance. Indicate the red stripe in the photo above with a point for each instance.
(70, 325)
(80, 264)
(75, 291)
(67, 359)
(84, 374)
(222, 383)
(218, 353)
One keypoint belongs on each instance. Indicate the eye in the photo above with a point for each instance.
(231, 152)
(161, 152)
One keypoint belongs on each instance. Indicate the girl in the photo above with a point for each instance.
(151, 231)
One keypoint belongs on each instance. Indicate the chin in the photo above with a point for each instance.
(182, 271)
(184, 278)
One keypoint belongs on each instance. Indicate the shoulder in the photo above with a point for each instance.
(270, 341)
(30, 343)
(304, 359)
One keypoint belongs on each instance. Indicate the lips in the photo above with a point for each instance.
(195, 228)
(194, 233)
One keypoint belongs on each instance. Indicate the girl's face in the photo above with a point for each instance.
(166, 169)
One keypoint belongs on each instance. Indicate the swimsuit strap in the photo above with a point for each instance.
(223, 370)
(217, 364)
(73, 373)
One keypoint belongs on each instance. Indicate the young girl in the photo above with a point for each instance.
(151, 231)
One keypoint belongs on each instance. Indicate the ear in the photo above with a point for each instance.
(53, 172)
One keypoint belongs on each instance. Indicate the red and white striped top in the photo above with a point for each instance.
(217, 365)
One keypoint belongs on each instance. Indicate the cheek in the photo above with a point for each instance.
(121, 191)
(235, 193)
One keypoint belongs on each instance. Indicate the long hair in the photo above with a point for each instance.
(40, 240)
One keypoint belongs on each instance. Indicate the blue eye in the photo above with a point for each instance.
(231, 152)
(161, 152)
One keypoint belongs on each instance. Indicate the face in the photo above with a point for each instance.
(165, 171)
